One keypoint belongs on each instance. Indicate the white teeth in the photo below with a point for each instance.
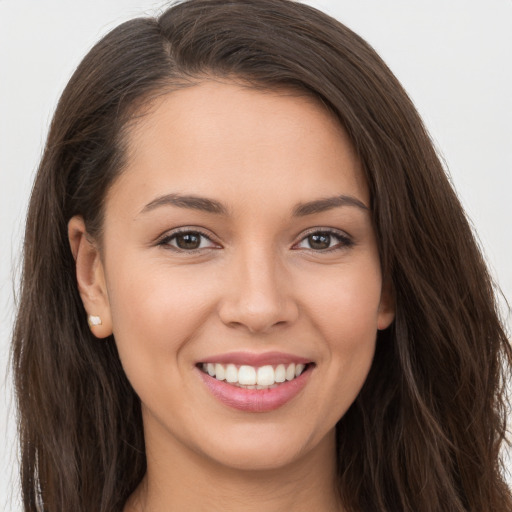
(299, 369)
(265, 376)
(251, 377)
(231, 373)
(220, 374)
(247, 375)
(280, 373)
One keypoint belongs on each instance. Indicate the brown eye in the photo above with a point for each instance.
(319, 241)
(325, 241)
(188, 241)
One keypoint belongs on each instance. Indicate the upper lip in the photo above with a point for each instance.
(257, 360)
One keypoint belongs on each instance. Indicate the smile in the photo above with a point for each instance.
(255, 383)
(251, 377)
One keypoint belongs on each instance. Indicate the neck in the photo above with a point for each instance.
(180, 479)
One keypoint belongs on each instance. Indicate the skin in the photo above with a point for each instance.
(257, 285)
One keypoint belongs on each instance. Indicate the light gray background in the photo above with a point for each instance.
(454, 57)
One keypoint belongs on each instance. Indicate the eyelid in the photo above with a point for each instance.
(164, 239)
(346, 240)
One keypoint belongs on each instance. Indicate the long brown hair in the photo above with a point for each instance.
(425, 432)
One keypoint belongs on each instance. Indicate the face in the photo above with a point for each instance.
(238, 246)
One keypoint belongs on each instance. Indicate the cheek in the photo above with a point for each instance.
(155, 312)
(348, 324)
(344, 309)
(344, 303)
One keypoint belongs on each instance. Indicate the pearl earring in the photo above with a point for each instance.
(93, 321)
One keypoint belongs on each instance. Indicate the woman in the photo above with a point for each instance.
(248, 283)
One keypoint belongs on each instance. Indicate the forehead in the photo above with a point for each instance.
(214, 136)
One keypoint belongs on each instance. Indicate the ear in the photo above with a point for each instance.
(386, 313)
(90, 277)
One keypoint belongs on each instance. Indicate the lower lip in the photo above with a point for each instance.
(256, 400)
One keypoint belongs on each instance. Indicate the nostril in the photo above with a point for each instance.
(258, 310)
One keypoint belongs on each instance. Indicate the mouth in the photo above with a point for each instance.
(255, 383)
(254, 377)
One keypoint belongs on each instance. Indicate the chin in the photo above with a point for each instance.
(265, 449)
(255, 457)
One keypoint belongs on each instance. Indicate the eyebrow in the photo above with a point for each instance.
(191, 202)
(328, 203)
(211, 206)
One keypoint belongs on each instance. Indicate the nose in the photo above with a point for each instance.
(258, 294)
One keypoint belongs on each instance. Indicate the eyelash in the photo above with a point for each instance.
(344, 241)
(166, 240)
